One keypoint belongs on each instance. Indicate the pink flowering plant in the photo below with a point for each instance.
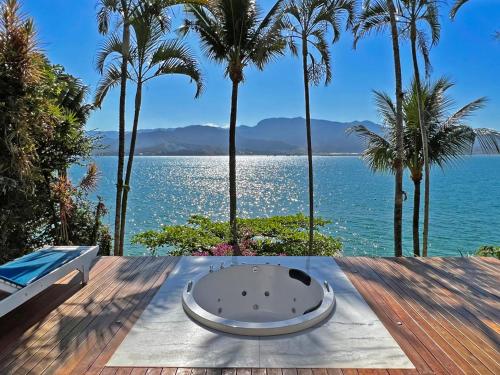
(277, 235)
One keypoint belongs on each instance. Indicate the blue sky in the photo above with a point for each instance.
(467, 53)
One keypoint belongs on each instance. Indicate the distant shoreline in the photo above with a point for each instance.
(191, 155)
(319, 154)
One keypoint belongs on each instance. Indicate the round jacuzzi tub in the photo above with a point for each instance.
(258, 300)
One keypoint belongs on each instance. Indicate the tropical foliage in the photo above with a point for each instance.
(307, 22)
(489, 251)
(277, 235)
(235, 34)
(42, 117)
(449, 136)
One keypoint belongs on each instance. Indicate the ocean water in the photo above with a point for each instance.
(465, 198)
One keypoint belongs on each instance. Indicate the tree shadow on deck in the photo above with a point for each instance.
(455, 299)
(79, 326)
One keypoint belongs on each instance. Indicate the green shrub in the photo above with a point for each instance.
(277, 235)
(489, 251)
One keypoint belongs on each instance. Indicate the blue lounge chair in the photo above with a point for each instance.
(29, 275)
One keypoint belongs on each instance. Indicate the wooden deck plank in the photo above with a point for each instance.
(97, 323)
(228, 371)
(91, 345)
(65, 346)
(64, 297)
(124, 371)
(109, 371)
(443, 312)
(101, 347)
(478, 299)
(41, 342)
(370, 287)
(470, 276)
(13, 348)
(436, 325)
(434, 301)
(457, 307)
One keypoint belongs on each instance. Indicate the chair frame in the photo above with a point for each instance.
(19, 295)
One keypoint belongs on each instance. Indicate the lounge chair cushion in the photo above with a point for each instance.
(31, 267)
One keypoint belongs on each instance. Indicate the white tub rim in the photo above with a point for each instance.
(271, 328)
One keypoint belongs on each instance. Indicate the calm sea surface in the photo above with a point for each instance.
(465, 198)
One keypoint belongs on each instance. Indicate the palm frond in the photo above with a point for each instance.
(386, 108)
(105, 9)
(89, 182)
(464, 112)
(174, 57)
(203, 22)
(455, 7)
(488, 140)
(379, 153)
(373, 18)
(112, 45)
(424, 51)
(110, 79)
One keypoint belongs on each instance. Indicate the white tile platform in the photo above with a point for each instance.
(353, 336)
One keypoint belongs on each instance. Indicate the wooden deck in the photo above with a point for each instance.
(443, 312)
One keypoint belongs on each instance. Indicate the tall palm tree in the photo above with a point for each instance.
(149, 56)
(307, 22)
(421, 12)
(123, 9)
(364, 26)
(448, 136)
(414, 18)
(233, 33)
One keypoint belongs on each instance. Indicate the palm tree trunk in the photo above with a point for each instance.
(232, 167)
(128, 175)
(309, 144)
(398, 162)
(423, 132)
(121, 135)
(416, 217)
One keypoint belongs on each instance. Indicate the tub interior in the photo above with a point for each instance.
(259, 293)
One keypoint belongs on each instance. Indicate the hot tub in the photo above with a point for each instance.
(257, 300)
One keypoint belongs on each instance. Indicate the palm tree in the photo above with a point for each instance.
(149, 56)
(122, 8)
(421, 12)
(369, 21)
(448, 136)
(124, 11)
(413, 17)
(233, 33)
(307, 22)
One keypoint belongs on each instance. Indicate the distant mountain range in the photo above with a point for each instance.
(273, 136)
